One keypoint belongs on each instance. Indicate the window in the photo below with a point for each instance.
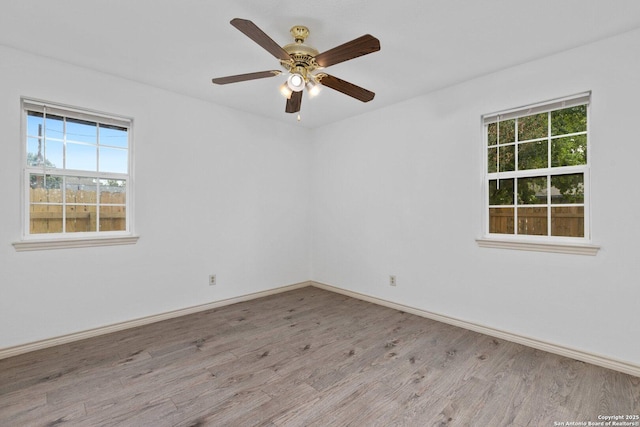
(537, 172)
(77, 169)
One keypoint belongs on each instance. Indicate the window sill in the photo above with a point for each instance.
(38, 245)
(562, 248)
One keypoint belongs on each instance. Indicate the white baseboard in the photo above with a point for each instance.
(90, 333)
(594, 359)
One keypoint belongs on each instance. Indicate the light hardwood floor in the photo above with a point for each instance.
(307, 357)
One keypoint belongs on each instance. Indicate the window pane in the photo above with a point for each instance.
(35, 124)
(45, 219)
(113, 160)
(113, 136)
(80, 218)
(82, 131)
(35, 155)
(507, 159)
(532, 191)
(54, 127)
(532, 221)
(567, 188)
(569, 120)
(532, 127)
(506, 131)
(113, 191)
(53, 153)
(491, 134)
(567, 221)
(81, 190)
(569, 151)
(532, 155)
(492, 163)
(502, 195)
(81, 157)
(45, 209)
(45, 188)
(501, 220)
(113, 218)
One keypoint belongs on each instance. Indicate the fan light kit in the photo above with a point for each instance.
(313, 88)
(295, 82)
(302, 63)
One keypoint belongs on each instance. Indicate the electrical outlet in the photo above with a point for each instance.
(212, 279)
(392, 280)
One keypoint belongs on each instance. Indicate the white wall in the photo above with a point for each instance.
(398, 191)
(217, 191)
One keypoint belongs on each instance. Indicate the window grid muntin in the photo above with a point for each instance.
(547, 172)
(98, 120)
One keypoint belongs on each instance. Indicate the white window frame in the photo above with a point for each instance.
(547, 243)
(40, 241)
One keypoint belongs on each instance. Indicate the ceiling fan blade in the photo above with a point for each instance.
(358, 47)
(347, 88)
(245, 77)
(252, 31)
(293, 103)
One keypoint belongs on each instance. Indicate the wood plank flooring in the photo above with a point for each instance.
(307, 357)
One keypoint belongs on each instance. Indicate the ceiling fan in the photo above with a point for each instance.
(303, 63)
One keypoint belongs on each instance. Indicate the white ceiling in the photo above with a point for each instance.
(180, 45)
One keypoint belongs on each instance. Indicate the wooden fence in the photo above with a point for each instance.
(565, 221)
(80, 212)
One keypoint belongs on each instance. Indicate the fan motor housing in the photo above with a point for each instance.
(302, 55)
